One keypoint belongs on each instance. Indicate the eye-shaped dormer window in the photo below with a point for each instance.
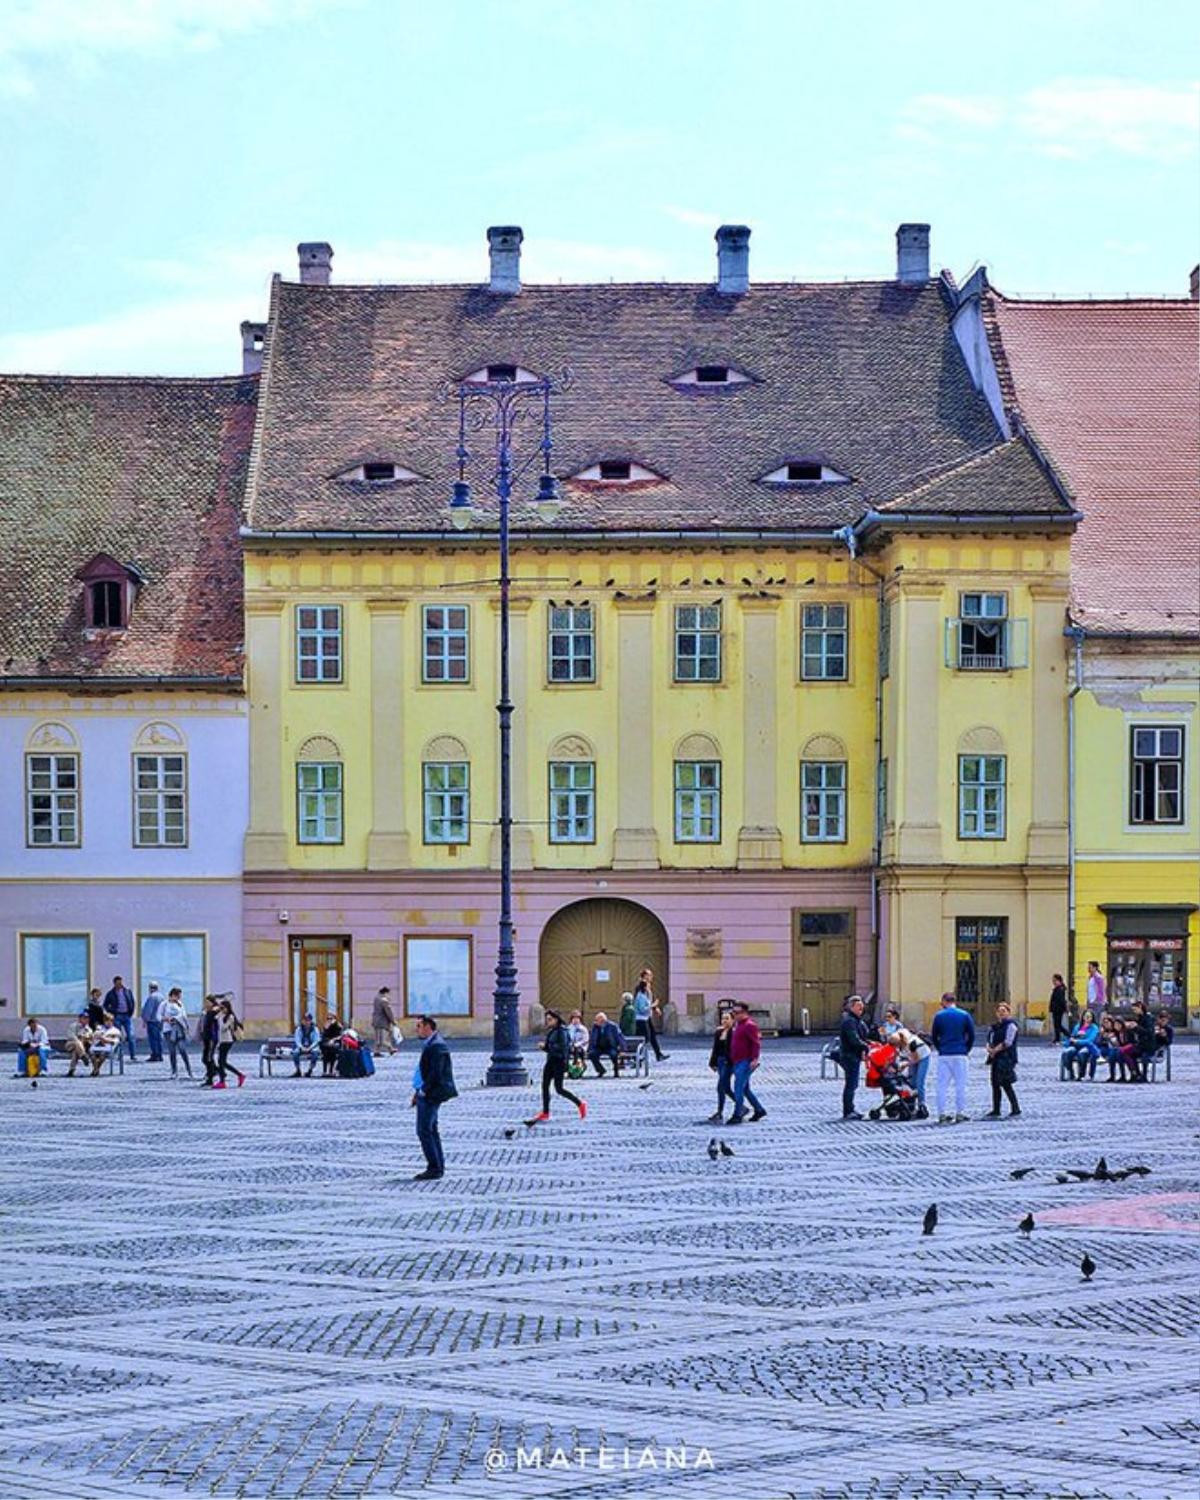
(711, 378)
(501, 374)
(373, 472)
(617, 471)
(805, 471)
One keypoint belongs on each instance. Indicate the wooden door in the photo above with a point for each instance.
(321, 979)
(602, 936)
(822, 966)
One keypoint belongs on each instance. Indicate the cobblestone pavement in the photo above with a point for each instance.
(245, 1294)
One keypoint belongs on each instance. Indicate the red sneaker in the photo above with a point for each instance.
(582, 1109)
(537, 1119)
(218, 1085)
(241, 1079)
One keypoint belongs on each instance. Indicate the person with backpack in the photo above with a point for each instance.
(228, 1030)
(1002, 1060)
(557, 1047)
(433, 1085)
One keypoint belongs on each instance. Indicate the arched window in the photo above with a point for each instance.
(823, 785)
(446, 791)
(697, 790)
(572, 791)
(320, 789)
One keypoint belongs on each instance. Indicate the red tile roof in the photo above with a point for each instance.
(151, 471)
(1111, 390)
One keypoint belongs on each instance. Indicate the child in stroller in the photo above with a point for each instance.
(899, 1100)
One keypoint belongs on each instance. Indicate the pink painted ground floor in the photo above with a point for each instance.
(59, 938)
(792, 943)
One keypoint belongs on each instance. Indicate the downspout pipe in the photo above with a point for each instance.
(849, 536)
(1075, 634)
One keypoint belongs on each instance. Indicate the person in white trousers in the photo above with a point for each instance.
(953, 1036)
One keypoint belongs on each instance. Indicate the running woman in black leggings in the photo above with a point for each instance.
(557, 1048)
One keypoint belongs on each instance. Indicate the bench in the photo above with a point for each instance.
(635, 1054)
(827, 1058)
(116, 1058)
(276, 1049)
(1151, 1065)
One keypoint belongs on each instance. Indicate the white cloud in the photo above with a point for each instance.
(1068, 118)
(82, 32)
(695, 218)
(191, 327)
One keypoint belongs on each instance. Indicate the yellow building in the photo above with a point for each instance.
(700, 727)
(1111, 389)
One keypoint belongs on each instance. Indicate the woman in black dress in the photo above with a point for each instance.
(1058, 1008)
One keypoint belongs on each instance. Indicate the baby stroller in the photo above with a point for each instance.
(899, 1101)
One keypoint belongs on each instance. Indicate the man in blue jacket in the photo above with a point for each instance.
(604, 1040)
(433, 1084)
(953, 1036)
(122, 1007)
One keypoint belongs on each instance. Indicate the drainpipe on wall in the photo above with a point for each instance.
(1076, 634)
(849, 535)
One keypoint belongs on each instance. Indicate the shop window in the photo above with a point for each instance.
(1152, 970)
(437, 976)
(1156, 774)
(170, 959)
(55, 972)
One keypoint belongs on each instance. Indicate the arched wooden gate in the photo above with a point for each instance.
(592, 951)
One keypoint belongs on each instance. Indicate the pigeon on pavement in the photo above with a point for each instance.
(1027, 1226)
(1088, 1266)
(713, 1153)
(1020, 1172)
(931, 1218)
(726, 1150)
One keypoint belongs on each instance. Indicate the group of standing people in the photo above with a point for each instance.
(951, 1041)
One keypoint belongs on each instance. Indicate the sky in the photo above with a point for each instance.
(162, 158)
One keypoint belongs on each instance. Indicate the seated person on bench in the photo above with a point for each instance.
(105, 1041)
(605, 1041)
(78, 1040)
(35, 1038)
(306, 1042)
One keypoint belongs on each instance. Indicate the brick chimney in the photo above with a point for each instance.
(912, 253)
(1194, 284)
(254, 336)
(733, 259)
(504, 253)
(316, 262)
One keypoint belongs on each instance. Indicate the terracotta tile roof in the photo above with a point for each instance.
(865, 375)
(1111, 390)
(1008, 480)
(151, 471)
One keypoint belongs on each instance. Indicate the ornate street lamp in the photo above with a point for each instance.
(502, 405)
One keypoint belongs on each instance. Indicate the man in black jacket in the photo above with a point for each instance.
(604, 1040)
(852, 1044)
(433, 1084)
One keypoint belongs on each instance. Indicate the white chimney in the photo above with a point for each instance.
(316, 262)
(733, 259)
(504, 252)
(912, 253)
(254, 337)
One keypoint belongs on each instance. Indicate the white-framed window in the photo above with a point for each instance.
(319, 801)
(572, 643)
(823, 639)
(159, 801)
(52, 801)
(55, 972)
(983, 632)
(697, 643)
(445, 643)
(1156, 756)
(447, 794)
(174, 958)
(981, 785)
(697, 801)
(318, 643)
(572, 802)
(823, 801)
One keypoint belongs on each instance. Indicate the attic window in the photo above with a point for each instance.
(501, 374)
(711, 376)
(107, 605)
(378, 471)
(617, 471)
(805, 471)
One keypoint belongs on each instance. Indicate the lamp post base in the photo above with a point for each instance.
(506, 1073)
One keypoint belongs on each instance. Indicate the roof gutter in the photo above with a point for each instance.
(490, 538)
(84, 684)
(875, 520)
